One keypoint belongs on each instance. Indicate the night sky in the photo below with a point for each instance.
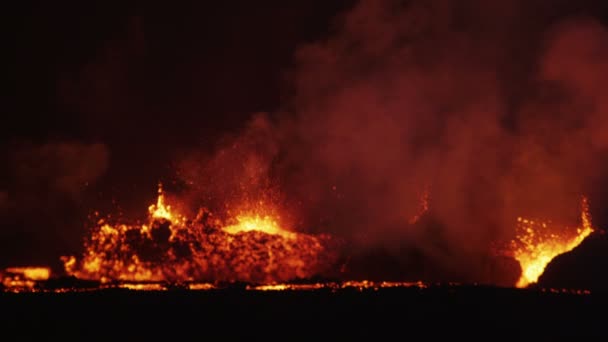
(498, 106)
(145, 78)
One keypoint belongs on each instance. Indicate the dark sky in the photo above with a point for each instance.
(147, 76)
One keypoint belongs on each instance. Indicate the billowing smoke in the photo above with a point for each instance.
(495, 110)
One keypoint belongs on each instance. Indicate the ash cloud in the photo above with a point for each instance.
(497, 109)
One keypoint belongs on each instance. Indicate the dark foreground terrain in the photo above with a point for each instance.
(401, 313)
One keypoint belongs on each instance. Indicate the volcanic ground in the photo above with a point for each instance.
(462, 311)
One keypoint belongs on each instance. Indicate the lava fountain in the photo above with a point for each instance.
(250, 247)
(538, 242)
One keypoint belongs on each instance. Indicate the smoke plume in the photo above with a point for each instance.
(496, 110)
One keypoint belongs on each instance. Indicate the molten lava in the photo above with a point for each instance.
(18, 279)
(255, 222)
(537, 243)
(251, 247)
(160, 210)
(31, 273)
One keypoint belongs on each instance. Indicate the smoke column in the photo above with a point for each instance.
(495, 109)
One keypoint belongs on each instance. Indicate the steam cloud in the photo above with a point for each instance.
(496, 110)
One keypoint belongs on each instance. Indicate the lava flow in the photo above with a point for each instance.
(251, 247)
(23, 278)
(537, 243)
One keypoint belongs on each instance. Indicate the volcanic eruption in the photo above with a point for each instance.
(251, 247)
(411, 139)
(539, 242)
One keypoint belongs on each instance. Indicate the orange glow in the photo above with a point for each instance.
(265, 224)
(19, 279)
(423, 208)
(537, 243)
(160, 210)
(142, 286)
(168, 247)
(31, 273)
(201, 286)
(358, 285)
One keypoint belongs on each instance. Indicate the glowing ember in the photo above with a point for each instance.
(537, 243)
(171, 248)
(201, 287)
(358, 285)
(142, 287)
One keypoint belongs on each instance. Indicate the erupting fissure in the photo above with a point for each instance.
(538, 242)
(160, 210)
(250, 247)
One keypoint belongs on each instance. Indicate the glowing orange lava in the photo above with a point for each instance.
(32, 273)
(537, 243)
(358, 285)
(19, 279)
(254, 222)
(251, 247)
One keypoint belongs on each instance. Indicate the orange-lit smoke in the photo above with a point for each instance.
(485, 104)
